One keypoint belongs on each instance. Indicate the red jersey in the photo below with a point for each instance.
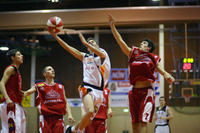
(142, 65)
(50, 99)
(13, 86)
(103, 110)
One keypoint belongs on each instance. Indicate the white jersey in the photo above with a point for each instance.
(161, 113)
(93, 69)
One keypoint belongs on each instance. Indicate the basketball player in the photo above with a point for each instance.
(12, 114)
(51, 102)
(163, 116)
(95, 76)
(98, 124)
(142, 64)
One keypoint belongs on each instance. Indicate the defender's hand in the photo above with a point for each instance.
(110, 19)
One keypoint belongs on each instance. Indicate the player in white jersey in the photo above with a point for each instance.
(95, 76)
(163, 116)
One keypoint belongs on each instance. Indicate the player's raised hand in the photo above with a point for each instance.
(51, 32)
(110, 19)
(169, 78)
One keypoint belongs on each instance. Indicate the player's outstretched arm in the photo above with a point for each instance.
(124, 47)
(91, 47)
(76, 53)
(30, 91)
(166, 75)
(8, 72)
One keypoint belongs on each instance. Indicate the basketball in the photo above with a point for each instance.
(55, 23)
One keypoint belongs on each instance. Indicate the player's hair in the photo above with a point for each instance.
(150, 44)
(11, 53)
(90, 38)
(163, 97)
(44, 69)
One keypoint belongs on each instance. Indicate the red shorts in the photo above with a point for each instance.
(96, 126)
(141, 104)
(51, 124)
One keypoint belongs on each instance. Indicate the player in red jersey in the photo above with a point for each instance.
(142, 63)
(51, 102)
(12, 114)
(98, 124)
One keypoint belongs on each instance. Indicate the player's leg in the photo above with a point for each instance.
(87, 100)
(88, 104)
(23, 122)
(100, 125)
(20, 119)
(89, 109)
(13, 124)
(146, 109)
(142, 127)
(4, 118)
(44, 125)
(133, 111)
(90, 128)
(59, 125)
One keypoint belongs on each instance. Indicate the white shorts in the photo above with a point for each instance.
(97, 96)
(18, 116)
(162, 129)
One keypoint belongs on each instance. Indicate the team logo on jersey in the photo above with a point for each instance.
(52, 94)
(40, 85)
